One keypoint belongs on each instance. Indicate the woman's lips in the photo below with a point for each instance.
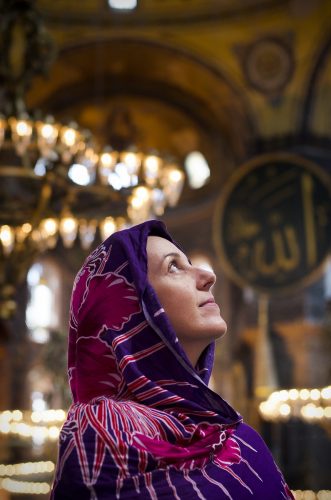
(209, 303)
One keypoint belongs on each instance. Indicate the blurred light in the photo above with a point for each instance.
(40, 167)
(284, 409)
(197, 169)
(38, 402)
(326, 392)
(34, 274)
(7, 239)
(68, 230)
(26, 468)
(79, 174)
(315, 394)
(300, 403)
(107, 227)
(39, 335)
(293, 394)
(25, 487)
(122, 4)
(304, 394)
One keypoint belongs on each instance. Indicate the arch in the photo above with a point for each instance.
(96, 71)
(308, 106)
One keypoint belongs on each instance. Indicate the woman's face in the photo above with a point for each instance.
(185, 294)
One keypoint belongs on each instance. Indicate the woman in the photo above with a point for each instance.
(144, 423)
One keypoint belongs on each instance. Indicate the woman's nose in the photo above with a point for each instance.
(205, 278)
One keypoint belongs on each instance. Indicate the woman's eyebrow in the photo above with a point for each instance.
(171, 254)
(176, 254)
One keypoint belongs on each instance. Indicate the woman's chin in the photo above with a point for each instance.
(221, 329)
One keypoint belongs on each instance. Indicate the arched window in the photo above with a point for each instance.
(197, 169)
(42, 312)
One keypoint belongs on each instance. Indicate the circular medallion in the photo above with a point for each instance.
(268, 65)
(272, 223)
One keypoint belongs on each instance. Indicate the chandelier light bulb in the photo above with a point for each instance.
(23, 128)
(49, 132)
(68, 230)
(49, 227)
(172, 182)
(87, 230)
(158, 201)
(141, 196)
(23, 231)
(107, 227)
(7, 238)
(132, 161)
(152, 167)
(107, 162)
(69, 137)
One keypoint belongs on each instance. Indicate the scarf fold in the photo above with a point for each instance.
(144, 422)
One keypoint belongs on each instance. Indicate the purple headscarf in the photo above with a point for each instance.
(144, 423)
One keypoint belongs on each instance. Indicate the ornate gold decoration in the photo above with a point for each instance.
(272, 223)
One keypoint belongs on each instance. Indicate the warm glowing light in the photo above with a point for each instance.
(23, 128)
(47, 136)
(152, 166)
(69, 136)
(26, 468)
(26, 487)
(172, 181)
(107, 160)
(132, 161)
(283, 395)
(122, 4)
(327, 412)
(62, 159)
(68, 230)
(293, 394)
(79, 174)
(40, 425)
(142, 194)
(197, 169)
(7, 238)
(285, 404)
(26, 227)
(107, 227)
(304, 394)
(326, 392)
(284, 409)
(49, 227)
(48, 131)
(315, 394)
(87, 230)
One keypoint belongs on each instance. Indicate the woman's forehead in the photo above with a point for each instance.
(158, 248)
(158, 244)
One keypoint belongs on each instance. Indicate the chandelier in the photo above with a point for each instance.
(54, 180)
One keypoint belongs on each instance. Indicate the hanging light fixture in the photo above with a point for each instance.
(54, 182)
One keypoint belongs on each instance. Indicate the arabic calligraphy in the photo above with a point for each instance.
(272, 227)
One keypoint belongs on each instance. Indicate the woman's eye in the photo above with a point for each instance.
(173, 266)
